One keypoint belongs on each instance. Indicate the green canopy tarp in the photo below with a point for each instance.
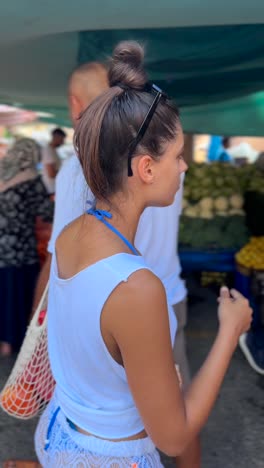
(208, 57)
(195, 65)
(243, 116)
(29, 19)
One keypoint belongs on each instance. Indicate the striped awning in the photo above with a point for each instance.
(10, 116)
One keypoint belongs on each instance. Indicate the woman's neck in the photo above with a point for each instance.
(125, 215)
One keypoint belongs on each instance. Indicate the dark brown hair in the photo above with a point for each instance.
(58, 132)
(108, 126)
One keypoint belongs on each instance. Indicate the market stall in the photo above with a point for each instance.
(213, 225)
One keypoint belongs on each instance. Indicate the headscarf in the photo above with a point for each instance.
(19, 163)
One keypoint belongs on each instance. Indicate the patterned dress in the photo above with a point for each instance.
(20, 206)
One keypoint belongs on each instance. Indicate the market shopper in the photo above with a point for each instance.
(117, 390)
(50, 159)
(116, 376)
(22, 198)
(77, 187)
(224, 155)
(218, 149)
(156, 236)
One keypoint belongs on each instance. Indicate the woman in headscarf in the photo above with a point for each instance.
(23, 197)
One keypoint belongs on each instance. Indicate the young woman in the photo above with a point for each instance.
(109, 331)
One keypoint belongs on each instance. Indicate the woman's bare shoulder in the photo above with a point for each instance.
(142, 297)
(70, 231)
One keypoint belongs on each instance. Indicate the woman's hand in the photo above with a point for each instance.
(234, 312)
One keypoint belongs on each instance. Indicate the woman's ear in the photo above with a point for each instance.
(146, 168)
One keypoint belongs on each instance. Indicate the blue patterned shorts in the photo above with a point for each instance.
(58, 446)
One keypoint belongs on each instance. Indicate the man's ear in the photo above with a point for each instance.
(146, 169)
(75, 107)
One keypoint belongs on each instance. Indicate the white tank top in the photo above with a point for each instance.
(92, 388)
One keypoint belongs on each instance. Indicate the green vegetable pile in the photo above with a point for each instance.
(213, 216)
(218, 233)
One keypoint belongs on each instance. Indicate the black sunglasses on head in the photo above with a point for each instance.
(151, 88)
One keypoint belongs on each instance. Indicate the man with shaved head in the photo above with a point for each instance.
(157, 233)
(86, 83)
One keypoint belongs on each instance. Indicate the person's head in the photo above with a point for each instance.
(58, 137)
(24, 154)
(107, 136)
(86, 83)
(226, 142)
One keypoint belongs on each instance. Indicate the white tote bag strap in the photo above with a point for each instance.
(41, 305)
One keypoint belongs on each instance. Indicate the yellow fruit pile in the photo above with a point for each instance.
(252, 254)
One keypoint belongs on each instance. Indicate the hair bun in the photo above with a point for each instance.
(126, 65)
(129, 52)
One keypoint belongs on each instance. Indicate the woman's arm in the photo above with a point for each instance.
(136, 316)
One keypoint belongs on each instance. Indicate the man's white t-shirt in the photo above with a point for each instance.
(157, 234)
(49, 156)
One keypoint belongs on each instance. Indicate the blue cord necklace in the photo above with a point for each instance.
(101, 215)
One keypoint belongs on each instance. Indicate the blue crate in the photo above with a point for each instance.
(218, 260)
(243, 283)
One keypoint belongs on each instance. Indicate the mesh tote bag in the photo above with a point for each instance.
(30, 385)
